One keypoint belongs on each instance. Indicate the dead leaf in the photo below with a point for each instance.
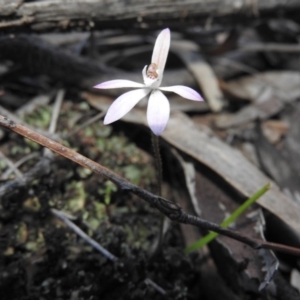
(225, 161)
(203, 74)
(274, 164)
(212, 202)
(231, 165)
(285, 85)
(261, 110)
(275, 130)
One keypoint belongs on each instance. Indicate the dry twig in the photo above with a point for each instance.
(168, 208)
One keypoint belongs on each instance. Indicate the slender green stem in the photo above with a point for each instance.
(241, 209)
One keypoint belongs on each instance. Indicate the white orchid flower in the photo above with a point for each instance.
(158, 110)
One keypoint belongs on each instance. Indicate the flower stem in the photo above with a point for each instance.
(158, 165)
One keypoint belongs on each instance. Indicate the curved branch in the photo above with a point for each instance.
(171, 210)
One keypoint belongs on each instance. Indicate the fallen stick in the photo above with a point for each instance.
(86, 14)
(171, 210)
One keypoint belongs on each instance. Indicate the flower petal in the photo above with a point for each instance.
(158, 112)
(183, 91)
(119, 83)
(122, 105)
(161, 50)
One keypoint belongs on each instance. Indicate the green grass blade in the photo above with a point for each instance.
(212, 235)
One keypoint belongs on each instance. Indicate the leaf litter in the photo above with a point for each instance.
(54, 260)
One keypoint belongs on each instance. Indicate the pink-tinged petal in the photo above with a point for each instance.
(122, 105)
(158, 112)
(161, 50)
(183, 91)
(119, 83)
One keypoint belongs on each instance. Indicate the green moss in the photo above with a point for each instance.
(40, 118)
(75, 196)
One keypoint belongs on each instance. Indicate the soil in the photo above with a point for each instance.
(41, 258)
